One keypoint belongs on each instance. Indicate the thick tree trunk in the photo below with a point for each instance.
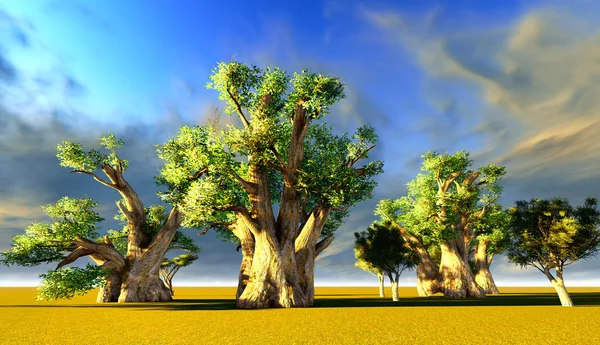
(381, 279)
(144, 288)
(428, 274)
(247, 247)
(111, 291)
(455, 274)
(483, 276)
(559, 286)
(273, 279)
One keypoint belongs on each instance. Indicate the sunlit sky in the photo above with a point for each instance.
(513, 82)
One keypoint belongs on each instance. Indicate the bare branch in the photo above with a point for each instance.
(237, 106)
(323, 244)
(278, 156)
(74, 255)
(96, 177)
(212, 226)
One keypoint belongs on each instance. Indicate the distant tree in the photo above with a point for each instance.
(443, 204)
(551, 234)
(382, 249)
(367, 267)
(171, 266)
(132, 276)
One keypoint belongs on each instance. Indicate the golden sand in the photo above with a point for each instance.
(342, 315)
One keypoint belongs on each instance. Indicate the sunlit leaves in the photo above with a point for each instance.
(446, 190)
(551, 233)
(70, 281)
(72, 155)
(44, 243)
(316, 93)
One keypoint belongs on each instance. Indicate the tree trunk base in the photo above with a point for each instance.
(144, 290)
(456, 276)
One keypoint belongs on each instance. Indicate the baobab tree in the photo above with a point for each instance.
(443, 205)
(382, 249)
(276, 182)
(129, 277)
(551, 234)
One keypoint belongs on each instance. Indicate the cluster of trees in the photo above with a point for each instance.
(451, 223)
(279, 187)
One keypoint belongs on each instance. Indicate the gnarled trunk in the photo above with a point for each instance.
(273, 278)
(428, 282)
(483, 276)
(112, 289)
(247, 246)
(381, 279)
(559, 286)
(144, 288)
(455, 274)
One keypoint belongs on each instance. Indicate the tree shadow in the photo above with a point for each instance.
(509, 299)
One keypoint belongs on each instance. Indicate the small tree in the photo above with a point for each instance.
(551, 235)
(382, 249)
(367, 267)
(171, 266)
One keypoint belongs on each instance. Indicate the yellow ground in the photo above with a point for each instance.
(340, 316)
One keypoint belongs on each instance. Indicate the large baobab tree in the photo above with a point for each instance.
(129, 269)
(280, 184)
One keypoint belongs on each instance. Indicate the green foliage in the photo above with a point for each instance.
(204, 167)
(182, 260)
(72, 155)
(551, 233)
(70, 281)
(492, 227)
(381, 249)
(43, 243)
(433, 208)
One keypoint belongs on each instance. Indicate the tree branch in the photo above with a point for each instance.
(323, 244)
(351, 163)
(237, 106)
(212, 226)
(278, 156)
(96, 177)
(74, 255)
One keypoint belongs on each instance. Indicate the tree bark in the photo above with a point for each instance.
(142, 283)
(428, 280)
(381, 279)
(394, 281)
(273, 279)
(111, 291)
(483, 276)
(559, 286)
(455, 274)
(247, 247)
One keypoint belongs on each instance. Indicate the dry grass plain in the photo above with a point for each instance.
(341, 315)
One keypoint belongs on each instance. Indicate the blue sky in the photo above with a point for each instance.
(512, 82)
